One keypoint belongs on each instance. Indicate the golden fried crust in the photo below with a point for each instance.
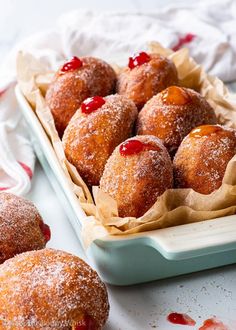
(146, 80)
(69, 89)
(50, 289)
(20, 226)
(90, 139)
(172, 120)
(135, 181)
(200, 162)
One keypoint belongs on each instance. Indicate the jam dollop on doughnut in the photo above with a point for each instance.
(76, 80)
(73, 64)
(134, 146)
(22, 228)
(145, 76)
(138, 171)
(92, 104)
(172, 114)
(138, 59)
(51, 289)
(203, 156)
(90, 138)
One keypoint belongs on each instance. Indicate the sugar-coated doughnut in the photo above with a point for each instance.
(51, 289)
(138, 171)
(202, 158)
(145, 76)
(22, 228)
(172, 114)
(94, 132)
(75, 81)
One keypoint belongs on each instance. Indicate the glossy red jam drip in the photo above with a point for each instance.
(87, 323)
(205, 130)
(133, 147)
(138, 59)
(92, 104)
(45, 230)
(73, 64)
(213, 324)
(182, 319)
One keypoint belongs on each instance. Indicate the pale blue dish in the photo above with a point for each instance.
(141, 257)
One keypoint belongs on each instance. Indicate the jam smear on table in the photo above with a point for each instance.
(92, 104)
(138, 59)
(205, 130)
(73, 64)
(174, 95)
(182, 319)
(133, 147)
(213, 324)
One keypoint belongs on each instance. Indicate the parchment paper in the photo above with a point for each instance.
(175, 206)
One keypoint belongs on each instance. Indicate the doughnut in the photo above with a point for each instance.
(138, 171)
(22, 228)
(172, 114)
(51, 289)
(95, 130)
(202, 158)
(145, 76)
(75, 81)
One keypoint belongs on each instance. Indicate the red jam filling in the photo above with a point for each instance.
(182, 319)
(45, 230)
(133, 147)
(205, 130)
(87, 323)
(138, 59)
(73, 64)
(175, 95)
(92, 104)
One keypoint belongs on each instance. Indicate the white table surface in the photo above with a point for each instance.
(142, 307)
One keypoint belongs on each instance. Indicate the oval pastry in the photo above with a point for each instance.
(22, 228)
(145, 76)
(75, 81)
(94, 132)
(138, 171)
(171, 114)
(51, 289)
(202, 158)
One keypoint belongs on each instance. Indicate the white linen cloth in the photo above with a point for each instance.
(208, 29)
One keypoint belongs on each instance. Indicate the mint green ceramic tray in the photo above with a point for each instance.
(141, 257)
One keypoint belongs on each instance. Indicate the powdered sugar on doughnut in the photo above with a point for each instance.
(19, 226)
(69, 89)
(172, 122)
(200, 162)
(148, 79)
(136, 181)
(50, 289)
(90, 138)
